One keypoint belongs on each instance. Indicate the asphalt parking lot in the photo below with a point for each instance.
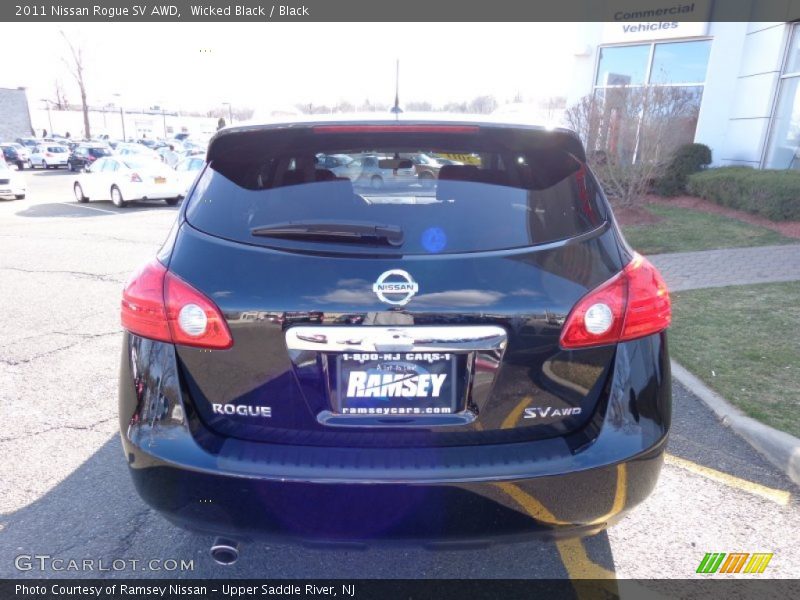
(66, 491)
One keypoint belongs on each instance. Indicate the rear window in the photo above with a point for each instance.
(486, 192)
(56, 149)
(99, 152)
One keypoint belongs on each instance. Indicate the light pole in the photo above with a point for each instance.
(121, 116)
(230, 112)
(49, 118)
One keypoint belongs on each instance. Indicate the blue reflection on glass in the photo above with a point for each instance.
(434, 239)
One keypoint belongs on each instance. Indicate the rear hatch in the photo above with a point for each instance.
(406, 314)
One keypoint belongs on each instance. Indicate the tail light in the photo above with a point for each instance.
(633, 304)
(135, 178)
(159, 305)
(49, 154)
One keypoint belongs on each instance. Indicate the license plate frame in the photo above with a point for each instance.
(409, 370)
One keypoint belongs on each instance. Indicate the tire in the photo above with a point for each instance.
(172, 201)
(376, 182)
(20, 166)
(44, 164)
(71, 167)
(426, 179)
(30, 165)
(79, 193)
(116, 197)
(19, 196)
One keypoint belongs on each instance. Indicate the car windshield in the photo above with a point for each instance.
(501, 199)
(56, 149)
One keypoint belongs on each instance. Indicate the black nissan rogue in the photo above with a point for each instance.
(309, 356)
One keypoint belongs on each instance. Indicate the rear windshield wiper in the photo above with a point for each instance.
(363, 232)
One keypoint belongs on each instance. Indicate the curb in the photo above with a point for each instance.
(778, 447)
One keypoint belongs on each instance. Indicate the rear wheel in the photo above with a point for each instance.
(116, 197)
(20, 196)
(79, 193)
(44, 164)
(20, 166)
(376, 182)
(426, 178)
(172, 201)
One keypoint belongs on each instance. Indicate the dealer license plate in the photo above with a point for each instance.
(399, 384)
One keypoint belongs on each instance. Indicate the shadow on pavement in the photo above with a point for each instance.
(93, 209)
(95, 513)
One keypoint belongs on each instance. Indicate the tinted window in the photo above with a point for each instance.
(99, 152)
(683, 62)
(623, 65)
(508, 199)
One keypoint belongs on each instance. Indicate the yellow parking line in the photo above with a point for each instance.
(777, 496)
(512, 417)
(573, 554)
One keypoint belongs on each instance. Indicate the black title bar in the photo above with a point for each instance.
(399, 10)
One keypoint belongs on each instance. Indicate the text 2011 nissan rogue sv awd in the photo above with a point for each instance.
(313, 356)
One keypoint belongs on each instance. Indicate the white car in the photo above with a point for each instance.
(187, 170)
(125, 178)
(49, 156)
(12, 183)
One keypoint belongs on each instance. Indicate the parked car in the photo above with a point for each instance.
(378, 171)
(28, 142)
(497, 339)
(426, 167)
(16, 154)
(187, 170)
(85, 154)
(138, 150)
(49, 156)
(125, 178)
(12, 183)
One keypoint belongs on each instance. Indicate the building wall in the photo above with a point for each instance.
(110, 122)
(15, 119)
(750, 102)
(740, 91)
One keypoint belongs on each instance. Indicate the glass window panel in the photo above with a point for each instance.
(793, 58)
(783, 151)
(623, 65)
(680, 62)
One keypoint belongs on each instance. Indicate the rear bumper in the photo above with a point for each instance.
(479, 494)
(146, 191)
(571, 504)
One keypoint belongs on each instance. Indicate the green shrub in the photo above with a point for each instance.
(769, 193)
(688, 159)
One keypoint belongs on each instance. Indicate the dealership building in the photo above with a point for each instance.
(744, 77)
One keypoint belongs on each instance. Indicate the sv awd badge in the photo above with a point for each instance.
(548, 412)
(395, 287)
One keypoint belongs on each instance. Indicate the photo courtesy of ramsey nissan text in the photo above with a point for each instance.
(400, 300)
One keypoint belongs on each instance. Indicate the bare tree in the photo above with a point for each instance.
(419, 106)
(630, 134)
(76, 67)
(482, 105)
(61, 98)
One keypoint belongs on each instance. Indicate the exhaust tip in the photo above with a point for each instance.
(224, 551)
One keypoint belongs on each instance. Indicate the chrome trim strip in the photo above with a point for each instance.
(360, 338)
